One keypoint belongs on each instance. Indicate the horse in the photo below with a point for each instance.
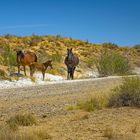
(71, 61)
(25, 58)
(41, 67)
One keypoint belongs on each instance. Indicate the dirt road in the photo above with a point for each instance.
(51, 98)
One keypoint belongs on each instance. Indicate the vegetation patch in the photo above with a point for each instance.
(127, 94)
(95, 103)
(21, 120)
(28, 134)
(112, 63)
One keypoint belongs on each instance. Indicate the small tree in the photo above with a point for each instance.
(112, 63)
(9, 58)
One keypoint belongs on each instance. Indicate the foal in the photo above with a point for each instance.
(41, 67)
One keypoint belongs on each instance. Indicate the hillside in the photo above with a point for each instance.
(55, 47)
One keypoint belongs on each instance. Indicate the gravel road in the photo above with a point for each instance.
(52, 98)
(59, 88)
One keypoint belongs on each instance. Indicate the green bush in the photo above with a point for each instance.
(127, 94)
(112, 63)
(9, 58)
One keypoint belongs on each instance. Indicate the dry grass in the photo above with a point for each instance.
(96, 102)
(21, 120)
(24, 134)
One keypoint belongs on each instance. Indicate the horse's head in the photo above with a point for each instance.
(69, 53)
(19, 53)
(48, 63)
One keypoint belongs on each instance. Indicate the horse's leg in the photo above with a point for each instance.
(18, 69)
(31, 74)
(68, 73)
(24, 70)
(31, 70)
(71, 75)
(43, 73)
(73, 69)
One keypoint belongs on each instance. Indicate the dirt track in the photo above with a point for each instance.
(59, 88)
(51, 98)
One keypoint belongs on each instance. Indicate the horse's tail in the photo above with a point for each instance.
(35, 58)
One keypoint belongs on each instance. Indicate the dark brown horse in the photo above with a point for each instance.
(41, 67)
(24, 59)
(71, 62)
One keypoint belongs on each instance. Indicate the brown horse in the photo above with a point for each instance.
(41, 67)
(25, 58)
(71, 62)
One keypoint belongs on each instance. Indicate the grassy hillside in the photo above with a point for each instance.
(55, 47)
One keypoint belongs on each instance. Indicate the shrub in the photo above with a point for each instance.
(9, 58)
(21, 120)
(127, 94)
(28, 134)
(111, 63)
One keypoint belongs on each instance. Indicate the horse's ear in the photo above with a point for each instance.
(67, 49)
(71, 49)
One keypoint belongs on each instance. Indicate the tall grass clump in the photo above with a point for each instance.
(27, 134)
(112, 63)
(94, 103)
(127, 94)
(89, 105)
(21, 120)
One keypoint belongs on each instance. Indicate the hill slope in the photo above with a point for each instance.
(54, 47)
